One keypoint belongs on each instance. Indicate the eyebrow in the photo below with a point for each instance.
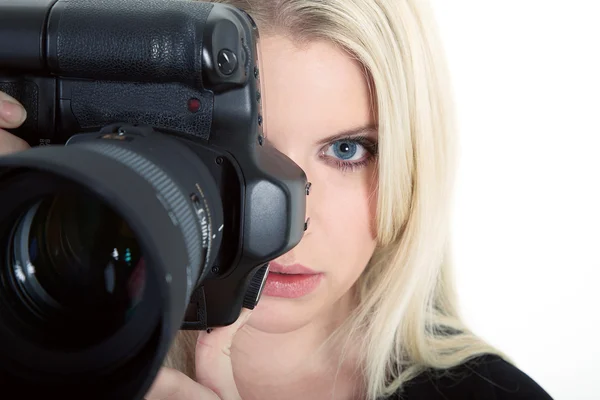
(358, 131)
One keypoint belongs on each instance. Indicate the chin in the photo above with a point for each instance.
(280, 315)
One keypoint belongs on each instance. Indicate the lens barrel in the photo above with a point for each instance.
(101, 245)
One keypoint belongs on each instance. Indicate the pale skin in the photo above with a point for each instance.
(312, 94)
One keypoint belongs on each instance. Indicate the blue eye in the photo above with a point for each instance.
(350, 154)
(346, 150)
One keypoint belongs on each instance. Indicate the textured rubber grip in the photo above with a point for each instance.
(133, 40)
(255, 288)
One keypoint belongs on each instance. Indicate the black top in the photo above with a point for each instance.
(484, 378)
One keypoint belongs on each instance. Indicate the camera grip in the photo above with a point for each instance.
(136, 40)
(90, 105)
(58, 109)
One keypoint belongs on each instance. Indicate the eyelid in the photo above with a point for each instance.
(363, 132)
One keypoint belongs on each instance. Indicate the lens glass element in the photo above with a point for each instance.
(77, 266)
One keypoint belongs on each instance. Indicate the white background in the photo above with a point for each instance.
(526, 75)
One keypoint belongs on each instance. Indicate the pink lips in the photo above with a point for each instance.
(291, 281)
(291, 269)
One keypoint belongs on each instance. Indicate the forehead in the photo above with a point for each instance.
(318, 87)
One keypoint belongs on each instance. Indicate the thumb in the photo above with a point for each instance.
(213, 358)
(12, 113)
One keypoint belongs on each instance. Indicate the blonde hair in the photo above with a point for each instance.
(407, 319)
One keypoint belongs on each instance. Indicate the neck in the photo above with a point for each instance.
(270, 365)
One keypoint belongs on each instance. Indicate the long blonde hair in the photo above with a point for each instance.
(407, 318)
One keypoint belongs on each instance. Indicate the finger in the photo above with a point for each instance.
(171, 384)
(213, 358)
(10, 143)
(12, 113)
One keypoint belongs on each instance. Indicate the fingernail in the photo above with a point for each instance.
(11, 112)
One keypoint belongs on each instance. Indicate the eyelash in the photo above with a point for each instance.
(367, 143)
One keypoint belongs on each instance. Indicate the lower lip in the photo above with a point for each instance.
(291, 286)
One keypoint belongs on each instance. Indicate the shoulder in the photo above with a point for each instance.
(486, 377)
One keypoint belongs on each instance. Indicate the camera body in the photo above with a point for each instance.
(171, 92)
(185, 68)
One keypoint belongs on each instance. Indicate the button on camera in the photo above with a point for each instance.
(227, 61)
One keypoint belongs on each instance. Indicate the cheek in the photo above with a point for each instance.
(350, 203)
(348, 215)
(349, 211)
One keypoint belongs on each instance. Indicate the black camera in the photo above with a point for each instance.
(150, 200)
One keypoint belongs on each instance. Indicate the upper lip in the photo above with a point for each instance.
(291, 269)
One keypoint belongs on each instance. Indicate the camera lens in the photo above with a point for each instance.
(77, 266)
(102, 243)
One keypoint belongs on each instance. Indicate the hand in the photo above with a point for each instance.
(214, 373)
(12, 115)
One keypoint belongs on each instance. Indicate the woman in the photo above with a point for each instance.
(357, 94)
